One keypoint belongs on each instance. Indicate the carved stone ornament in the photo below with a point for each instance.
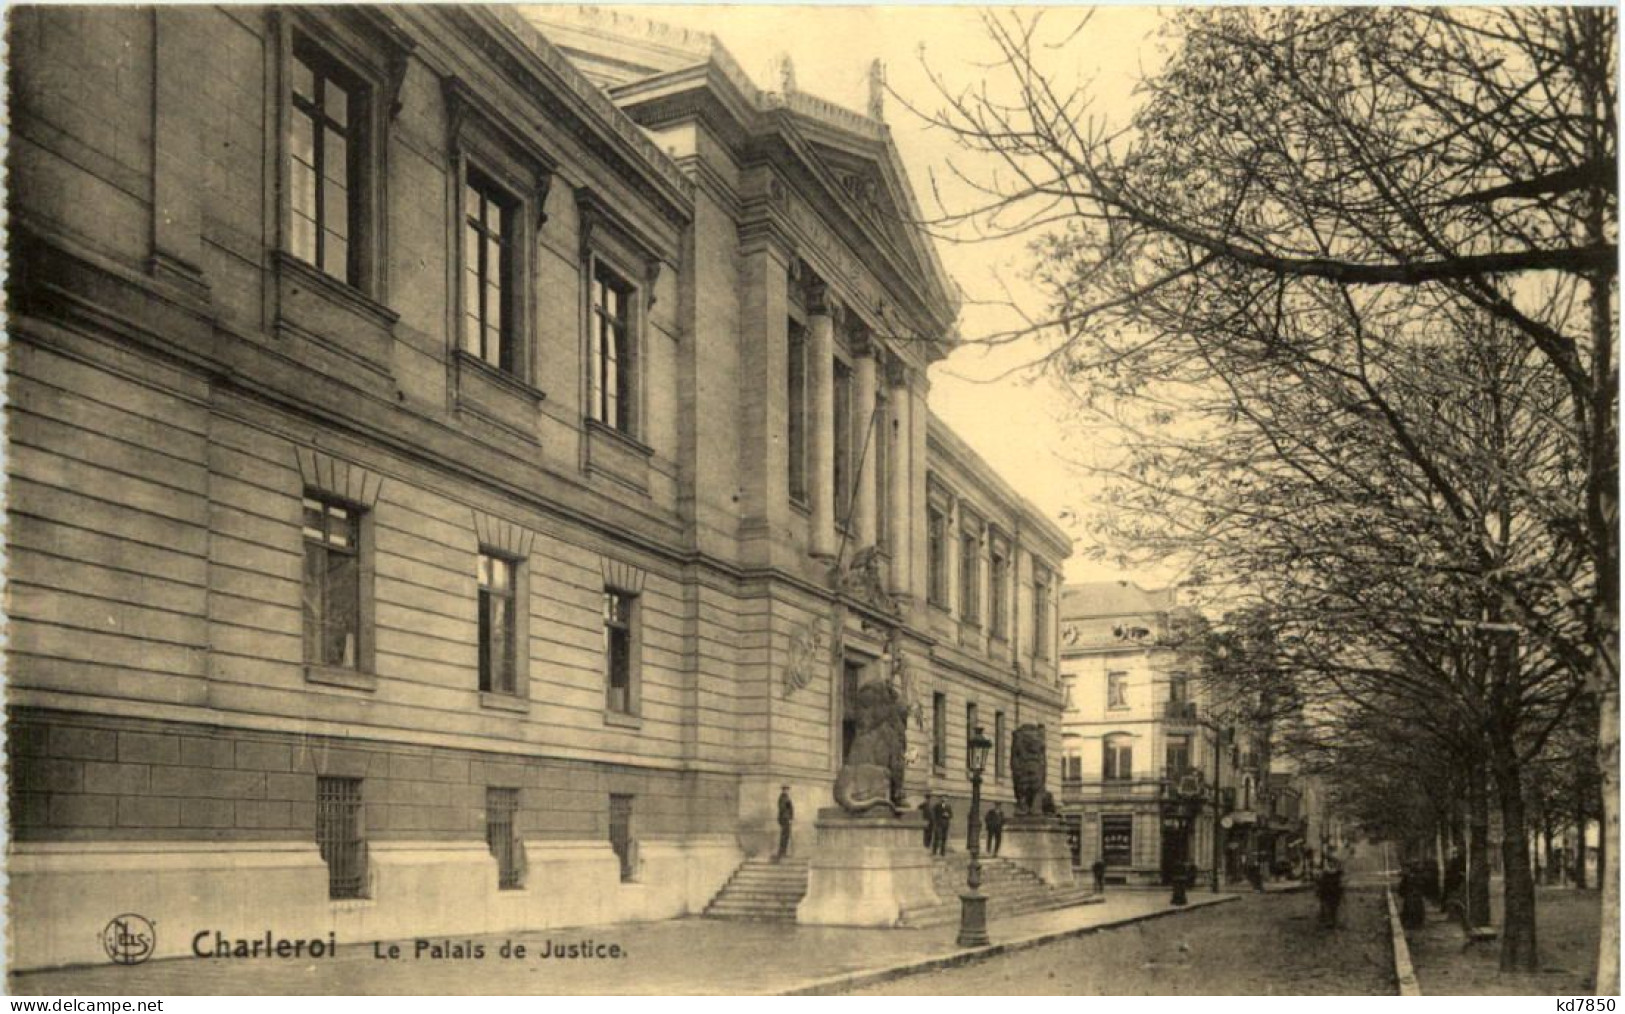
(808, 647)
(864, 579)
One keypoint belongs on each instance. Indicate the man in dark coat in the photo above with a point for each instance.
(1098, 868)
(995, 829)
(944, 814)
(928, 811)
(787, 817)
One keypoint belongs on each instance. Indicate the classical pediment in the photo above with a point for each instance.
(866, 176)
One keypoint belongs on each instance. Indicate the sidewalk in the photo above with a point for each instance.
(684, 956)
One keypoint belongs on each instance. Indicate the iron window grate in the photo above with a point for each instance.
(338, 834)
(501, 805)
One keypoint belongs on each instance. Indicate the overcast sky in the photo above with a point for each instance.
(1011, 422)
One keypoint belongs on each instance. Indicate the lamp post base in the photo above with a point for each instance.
(973, 920)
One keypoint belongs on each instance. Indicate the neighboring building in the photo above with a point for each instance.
(443, 492)
(1138, 739)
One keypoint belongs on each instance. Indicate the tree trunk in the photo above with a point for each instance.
(1579, 849)
(1519, 952)
(1478, 847)
(1608, 840)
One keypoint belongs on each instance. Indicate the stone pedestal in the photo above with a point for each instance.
(866, 870)
(1038, 843)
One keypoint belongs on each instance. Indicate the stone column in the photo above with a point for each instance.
(821, 401)
(865, 435)
(902, 521)
(918, 419)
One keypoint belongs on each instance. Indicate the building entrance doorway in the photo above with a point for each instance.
(851, 678)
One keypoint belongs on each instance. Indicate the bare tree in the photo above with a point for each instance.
(1294, 179)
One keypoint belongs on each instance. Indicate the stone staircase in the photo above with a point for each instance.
(1010, 889)
(762, 891)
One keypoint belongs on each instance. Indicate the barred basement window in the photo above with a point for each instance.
(620, 834)
(497, 580)
(332, 596)
(500, 807)
(338, 834)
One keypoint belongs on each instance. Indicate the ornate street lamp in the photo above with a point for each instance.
(1187, 802)
(973, 903)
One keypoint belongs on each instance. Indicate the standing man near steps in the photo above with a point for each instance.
(787, 817)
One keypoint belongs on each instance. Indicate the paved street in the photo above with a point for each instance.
(1261, 945)
(688, 956)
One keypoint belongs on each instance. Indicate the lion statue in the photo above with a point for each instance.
(873, 773)
(1027, 765)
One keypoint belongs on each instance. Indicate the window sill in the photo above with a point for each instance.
(616, 455)
(500, 377)
(623, 719)
(504, 702)
(336, 676)
(339, 292)
(626, 439)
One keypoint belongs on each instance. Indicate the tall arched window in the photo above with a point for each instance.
(1117, 765)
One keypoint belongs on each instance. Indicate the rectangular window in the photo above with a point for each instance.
(497, 581)
(1041, 607)
(1118, 762)
(501, 806)
(611, 353)
(332, 594)
(1117, 838)
(1000, 752)
(795, 397)
(1117, 690)
(970, 575)
(618, 662)
(936, 548)
(939, 730)
(1178, 755)
(970, 729)
(620, 834)
(325, 152)
(844, 450)
(999, 592)
(338, 835)
(489, 283)
(1072, 768)
(1178, 688)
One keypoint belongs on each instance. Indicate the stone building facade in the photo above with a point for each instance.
(459, 468)
(1136, 724)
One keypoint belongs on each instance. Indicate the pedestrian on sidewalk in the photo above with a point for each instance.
(787, 817)
(928, 813)
(995, 829)
(944, 819)
(1098, 868)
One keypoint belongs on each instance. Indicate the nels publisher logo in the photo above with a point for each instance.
(129, 939)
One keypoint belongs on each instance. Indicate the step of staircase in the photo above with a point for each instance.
(1010, 889)
(761, 890)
